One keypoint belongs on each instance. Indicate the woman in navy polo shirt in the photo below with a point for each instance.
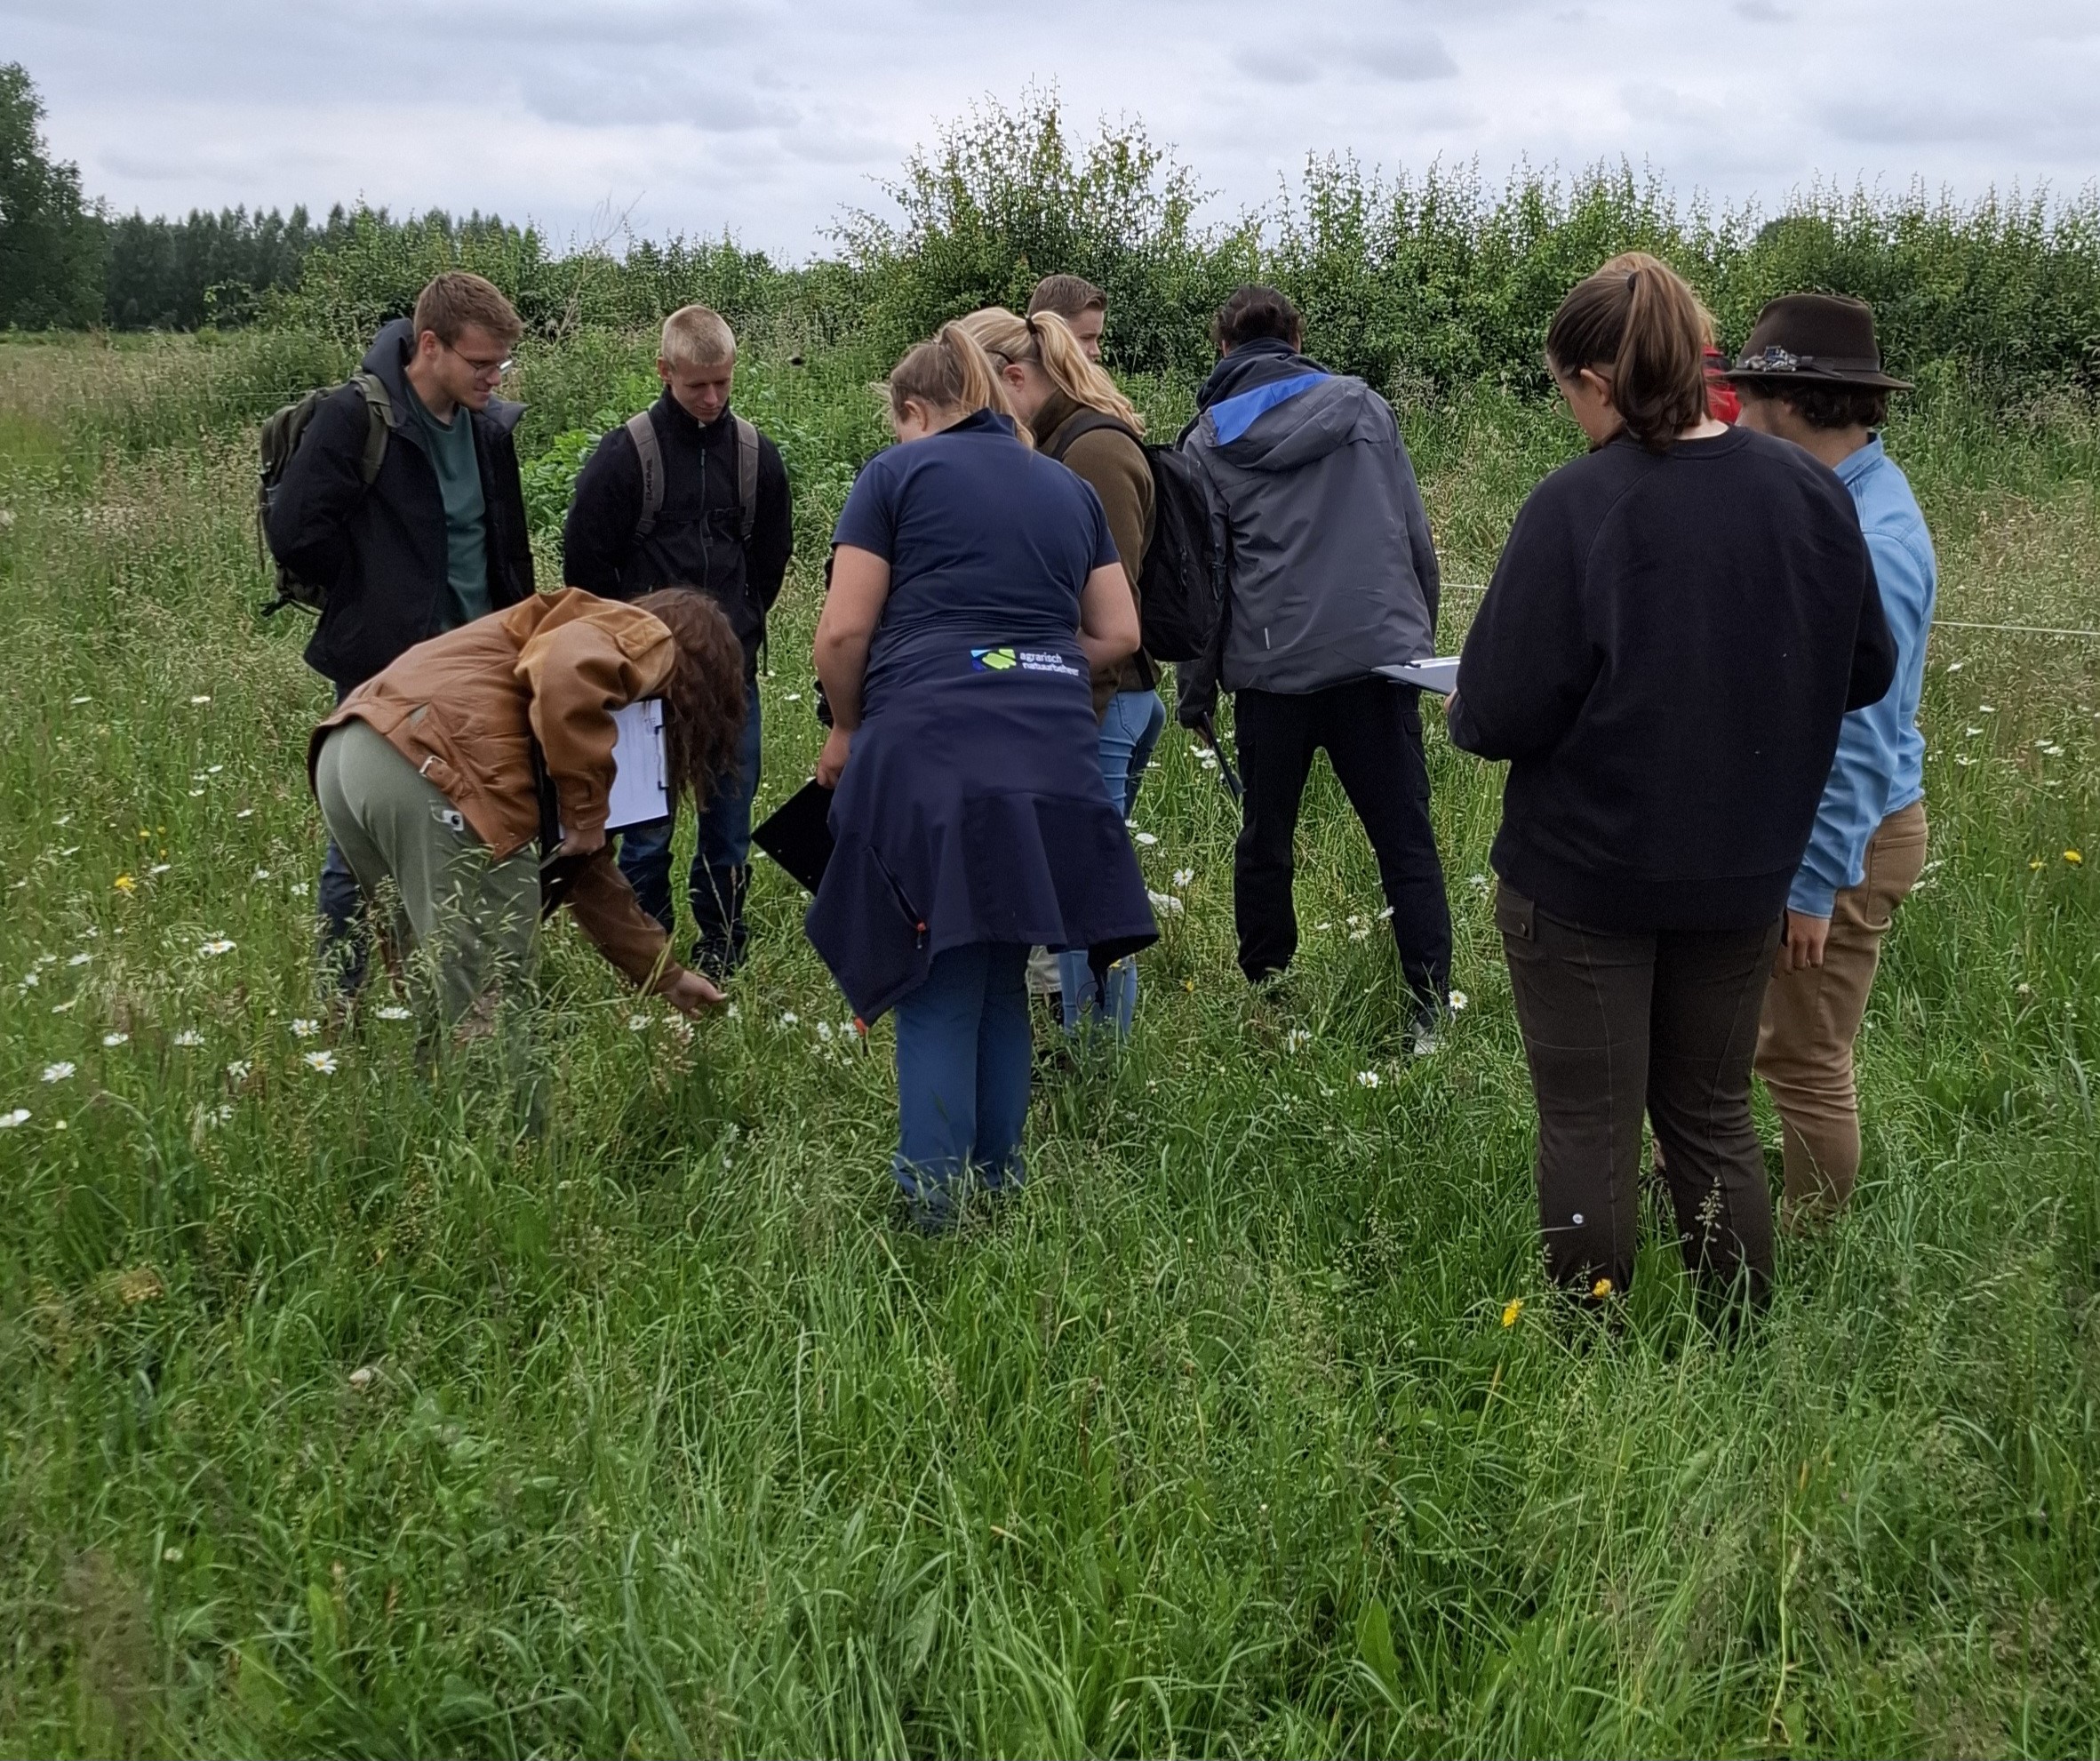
(974, 591)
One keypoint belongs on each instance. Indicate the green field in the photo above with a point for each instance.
(336, 1417)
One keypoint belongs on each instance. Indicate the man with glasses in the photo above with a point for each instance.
(432, 538)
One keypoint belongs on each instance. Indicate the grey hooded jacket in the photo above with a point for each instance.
(1330, 566)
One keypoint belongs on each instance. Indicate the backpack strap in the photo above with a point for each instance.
(642, 431)
(1088, 421)
(378, 409)
(747, 476)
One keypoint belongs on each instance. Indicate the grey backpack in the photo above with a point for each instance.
(642, 433)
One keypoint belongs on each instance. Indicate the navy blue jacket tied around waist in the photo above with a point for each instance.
(971, 808)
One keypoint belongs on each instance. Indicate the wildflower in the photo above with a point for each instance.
(300, 889)
(1601, 1289)
(1458, 1000)
(1182, 876)
(1385, 915)
(2052, 751)
(391, 1012)
(1297, 1039)
(637, 1024)
(115, 1039)
(1478, 883)
(322, 1061)
(202, 697)
(81, 958)
(239, 1070)
(1972, 733)
(160, 868)
(1144, 837)
(260, 874)
(362, 1376)
(124, 884)
(1986, 708)
(302, 1028)
(1165, 902)
(731, 1012)
(824, 1030)
(1963, 759)
(2074, 857)
(65, 1007)
(58, 1072)
(217, 946)
(189, 1036)
(1317, 928)
(789, 1019)
(1367, 1079)
(77, 701)
(1954, 666)
(213, 769)
(794, 697)
(18, 1116)
(1511, 1310)
(2036, 863)
(194, 793)
(245, 813)
(1189, 985)
(31, 978)
(172, 1555)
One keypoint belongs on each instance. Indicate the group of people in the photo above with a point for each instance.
(1700, 654)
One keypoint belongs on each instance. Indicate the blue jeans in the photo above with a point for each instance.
(963, 1057)
(1128, 732)
(721, 859)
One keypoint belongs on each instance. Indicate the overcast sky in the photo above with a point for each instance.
(765, 117)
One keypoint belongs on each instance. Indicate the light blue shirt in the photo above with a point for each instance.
(1880, 768)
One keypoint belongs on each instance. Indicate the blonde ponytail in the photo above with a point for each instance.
(1045, 340)
(952, 372)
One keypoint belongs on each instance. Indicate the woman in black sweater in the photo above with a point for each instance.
(1676, 626)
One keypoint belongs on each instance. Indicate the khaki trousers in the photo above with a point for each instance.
(464, 924)
(1804, 1048)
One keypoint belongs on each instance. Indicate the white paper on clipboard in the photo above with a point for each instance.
(1440, 674)
(641, 791)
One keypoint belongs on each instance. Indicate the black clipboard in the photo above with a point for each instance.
(797, 835)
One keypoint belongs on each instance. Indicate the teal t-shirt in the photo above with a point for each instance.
(451, 446)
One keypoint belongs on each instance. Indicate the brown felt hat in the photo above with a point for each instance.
(1819, 339)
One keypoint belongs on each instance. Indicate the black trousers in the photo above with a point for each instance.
(1372, 734)
(1616, 1026)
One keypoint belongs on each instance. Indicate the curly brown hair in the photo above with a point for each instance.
(704, 697)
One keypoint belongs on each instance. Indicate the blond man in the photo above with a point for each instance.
(688, 494)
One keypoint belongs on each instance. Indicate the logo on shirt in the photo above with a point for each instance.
(1027, 660)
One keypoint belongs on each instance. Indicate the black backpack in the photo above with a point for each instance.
(280, 439)
(1181, 586)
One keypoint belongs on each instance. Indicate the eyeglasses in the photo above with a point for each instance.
(485, 369)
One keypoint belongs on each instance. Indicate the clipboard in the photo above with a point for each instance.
(1438, 674)
(797, 834)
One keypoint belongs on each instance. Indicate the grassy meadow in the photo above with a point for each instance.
(336, 1417)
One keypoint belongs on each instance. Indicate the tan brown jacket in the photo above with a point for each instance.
(464, 707)
(1114, 466)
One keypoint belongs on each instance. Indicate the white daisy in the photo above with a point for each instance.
(322, 1061)
(1458, 1001)
(304, 1028)
(59, 1072)
(9, 1121)
(391, 1012)
(189, 1036)
(217, 946)
(1367, 1079)
(115, 1038)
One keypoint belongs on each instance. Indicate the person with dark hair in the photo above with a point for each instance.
(1330, 576)
(430, 539)
(1812, 374)
(974, 591)
(1083, 305)
(428, 776)
(689, 493)
(1676, 626)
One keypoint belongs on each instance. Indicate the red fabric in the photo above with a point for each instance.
(1723, 403)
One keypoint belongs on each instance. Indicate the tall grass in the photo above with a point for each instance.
(338, 1418)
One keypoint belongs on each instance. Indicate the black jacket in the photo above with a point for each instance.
(1664, 653)
(696, 540)
(380, 551)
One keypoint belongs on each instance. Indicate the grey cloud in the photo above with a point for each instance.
(1925, 118)
(593, 96)
(1764, 12)
(1275, 66)
(1406, 58)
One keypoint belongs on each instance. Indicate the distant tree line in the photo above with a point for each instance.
(1432, 281)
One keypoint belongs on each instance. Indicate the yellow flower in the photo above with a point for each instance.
(1511, 1310)
(2036, 863)
(126, 883)
(2074, 857)
(1602, 1288)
